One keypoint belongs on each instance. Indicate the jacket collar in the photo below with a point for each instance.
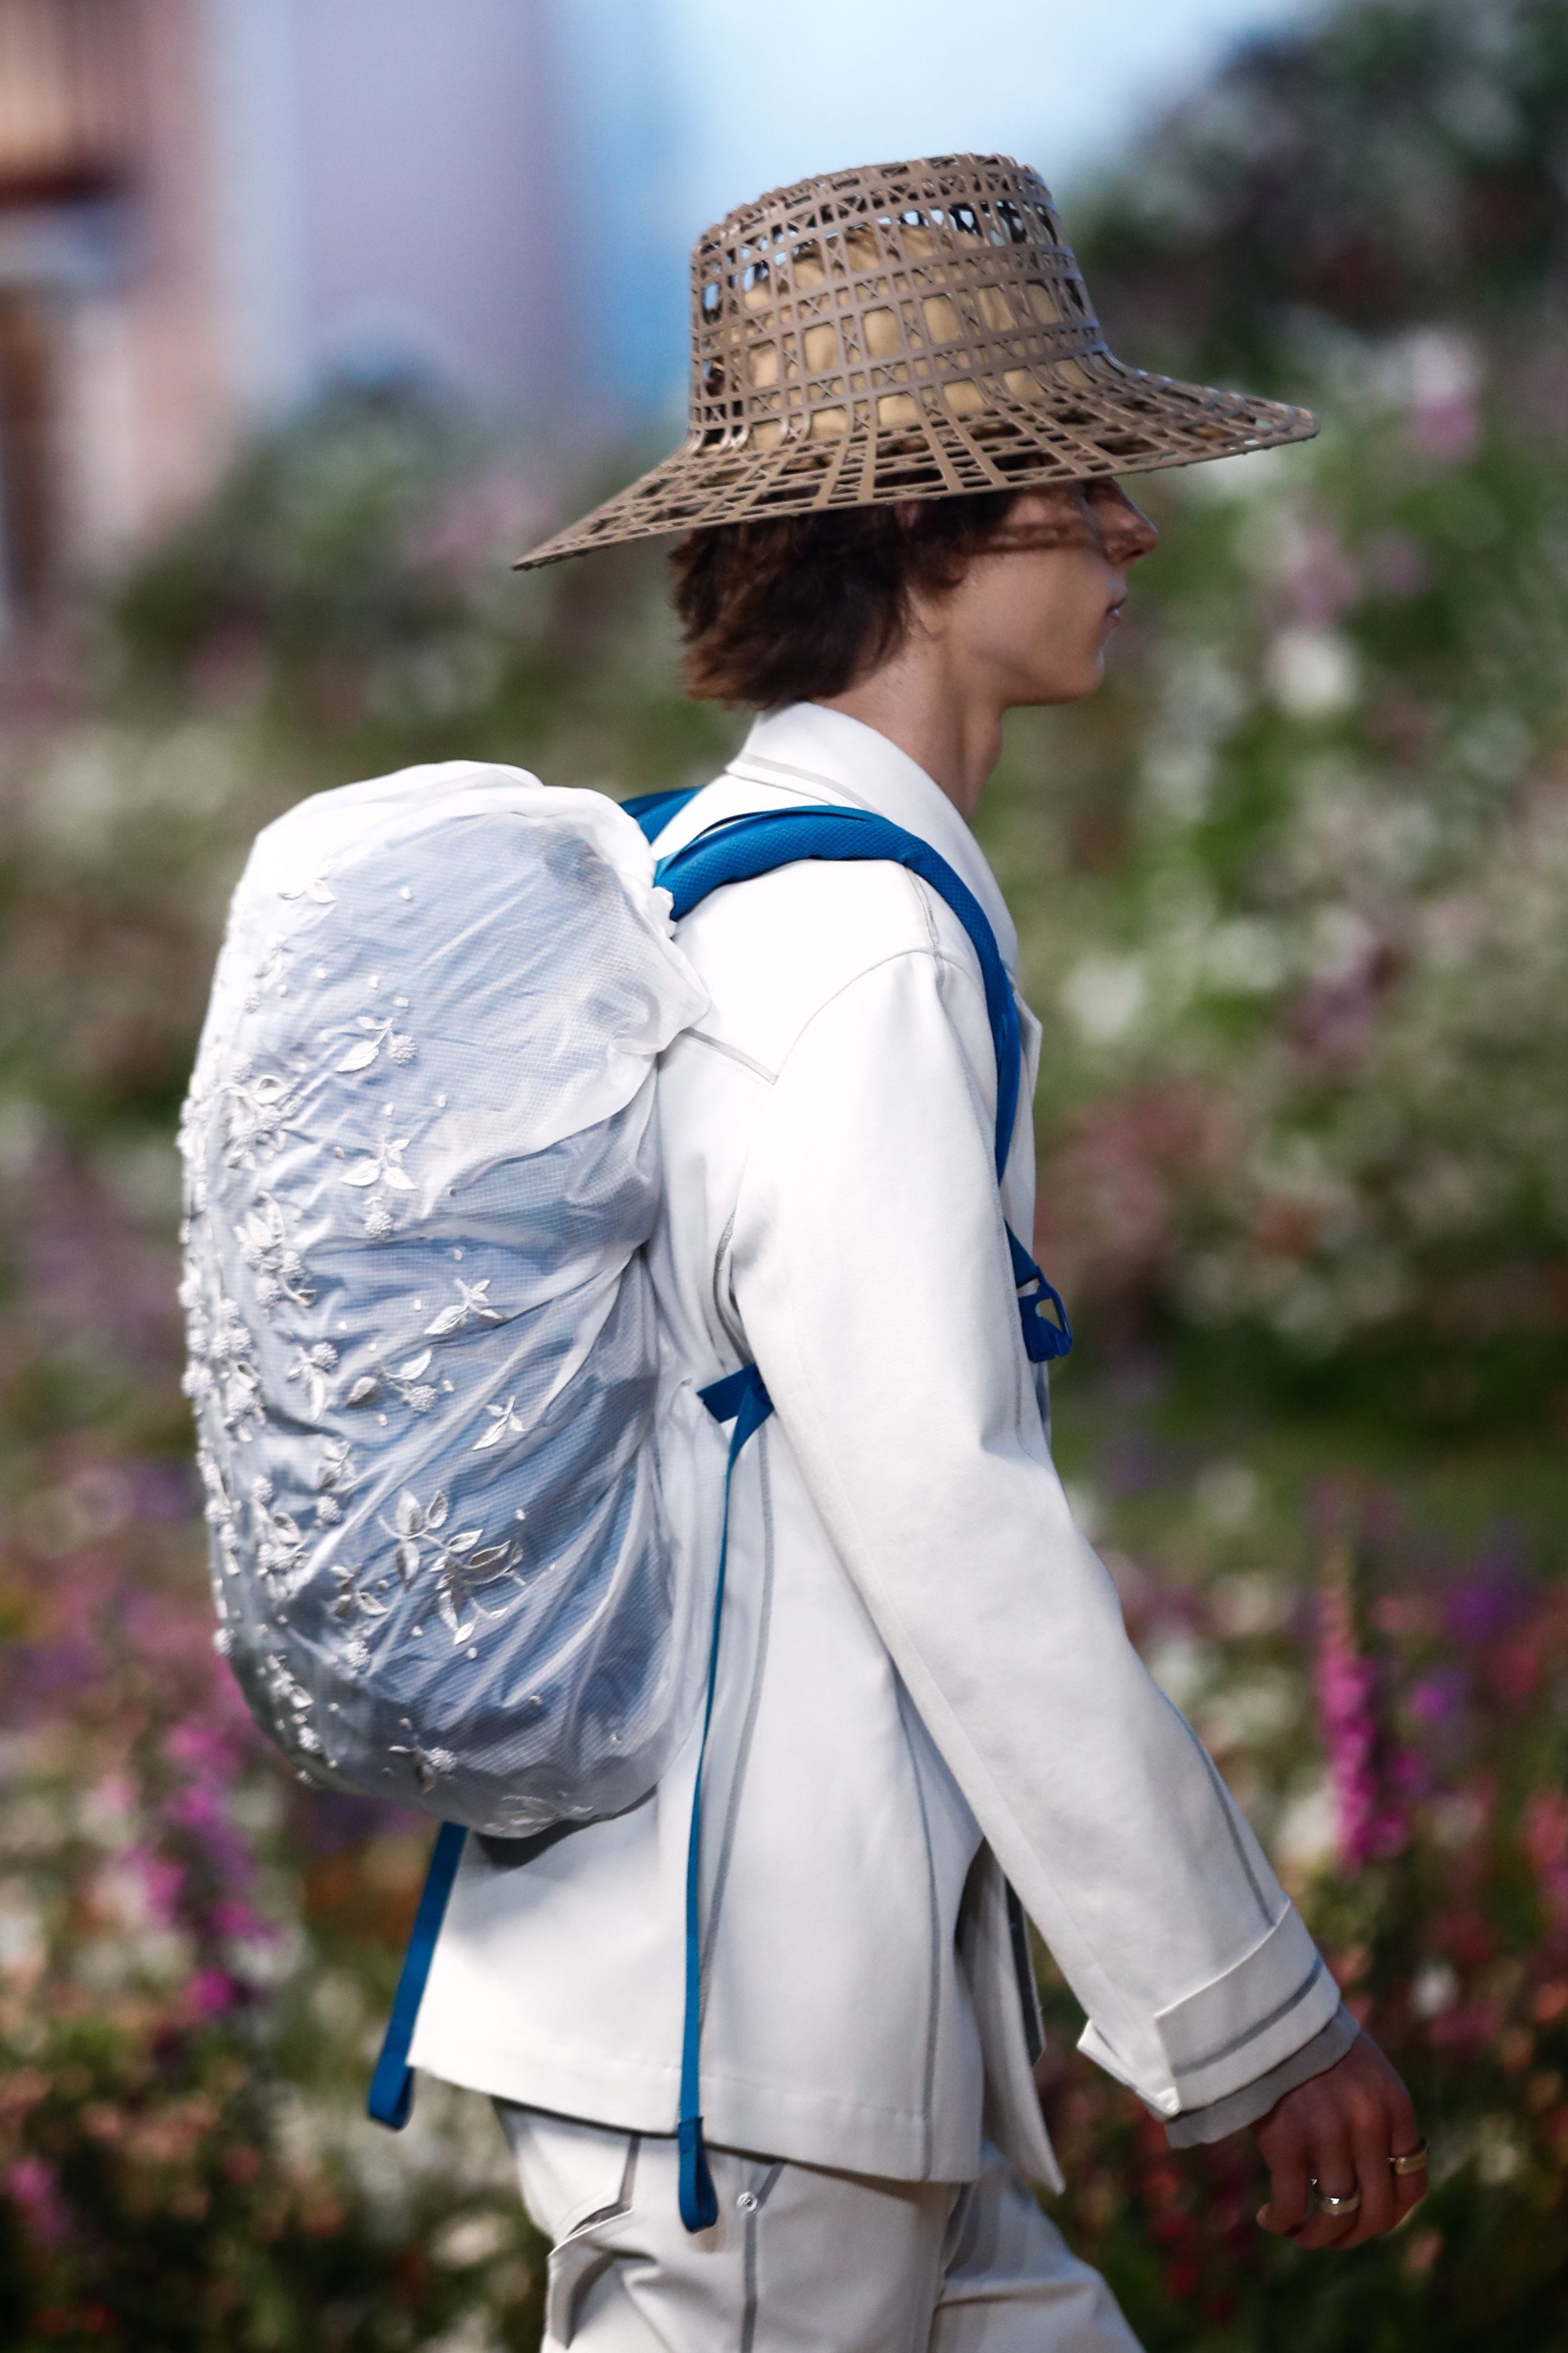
(825, 756)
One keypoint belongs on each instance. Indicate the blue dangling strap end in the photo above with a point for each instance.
(1043, 1338)
(390, 2101)
(742, 1398)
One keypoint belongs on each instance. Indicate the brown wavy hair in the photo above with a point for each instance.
(798, 606)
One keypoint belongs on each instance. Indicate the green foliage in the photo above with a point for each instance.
(1392, 163)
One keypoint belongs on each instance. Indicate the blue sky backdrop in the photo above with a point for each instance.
(768, 96)
(692, 106)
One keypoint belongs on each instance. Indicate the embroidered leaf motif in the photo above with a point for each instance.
(506, 1422)
(384, 1168)
(310, 1369)
(412, 1366)
(400, 1047)
(457, 1578)
(473, 1299)
(490, 1556)
(353, 1600)
(364, 1388)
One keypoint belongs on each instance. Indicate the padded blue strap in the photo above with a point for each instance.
(742, 1398)
(654, 811)
(390, 2096)
(739, 848)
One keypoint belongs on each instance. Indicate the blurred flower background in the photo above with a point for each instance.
(1294, 898)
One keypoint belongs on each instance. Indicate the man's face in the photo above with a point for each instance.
(1035, 612)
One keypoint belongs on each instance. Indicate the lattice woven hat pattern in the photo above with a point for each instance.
(906, 331)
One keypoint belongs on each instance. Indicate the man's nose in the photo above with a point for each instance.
(1126, 531)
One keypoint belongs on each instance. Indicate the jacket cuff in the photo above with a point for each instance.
(1239, 2026)
(1254, 2100)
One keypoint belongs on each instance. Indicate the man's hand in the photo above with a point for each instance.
(1340, 2130)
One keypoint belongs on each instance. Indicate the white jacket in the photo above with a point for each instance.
(924, 1680)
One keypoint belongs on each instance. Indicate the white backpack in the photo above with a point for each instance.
(419, 1166)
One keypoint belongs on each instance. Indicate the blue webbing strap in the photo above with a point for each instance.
(739, 1398)
(654, 811)
(390, 2101)
(739, 848)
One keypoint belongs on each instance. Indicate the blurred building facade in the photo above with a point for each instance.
(207, 206)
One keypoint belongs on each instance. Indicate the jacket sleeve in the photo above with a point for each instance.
(869, 1269)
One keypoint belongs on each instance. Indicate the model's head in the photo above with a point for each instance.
(1023, 585)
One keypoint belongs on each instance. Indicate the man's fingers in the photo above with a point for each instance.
(1370, 2148)
(1288, 2192)
(1325, 2161)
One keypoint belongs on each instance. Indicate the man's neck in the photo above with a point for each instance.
(912, 701)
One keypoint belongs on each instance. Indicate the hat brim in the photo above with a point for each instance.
(1107, 418)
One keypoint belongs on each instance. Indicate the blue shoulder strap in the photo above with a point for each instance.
(654, 811)
(739, 850)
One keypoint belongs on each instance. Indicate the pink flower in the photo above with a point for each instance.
(1369, 1819)
(32, 2186)
(162, 1882)
(1545, 1834)
(211, 1993)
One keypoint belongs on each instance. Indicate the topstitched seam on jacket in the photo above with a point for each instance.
(933, 1950)
(894, 955)
(1226, 1802)
(743, 1746)
(1283, 2077)
(1240, 2041)
(760, 2197)
(727, 1317)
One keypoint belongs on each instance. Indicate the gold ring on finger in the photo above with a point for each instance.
(1413, 2161)
(1349, 2204)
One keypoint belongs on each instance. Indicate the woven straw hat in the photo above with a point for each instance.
(906, 331)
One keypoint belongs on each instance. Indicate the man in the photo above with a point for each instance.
(901, 522)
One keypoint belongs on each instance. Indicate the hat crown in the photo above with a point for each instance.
(868, 299)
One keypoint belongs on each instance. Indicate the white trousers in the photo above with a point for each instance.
(800, 2260)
